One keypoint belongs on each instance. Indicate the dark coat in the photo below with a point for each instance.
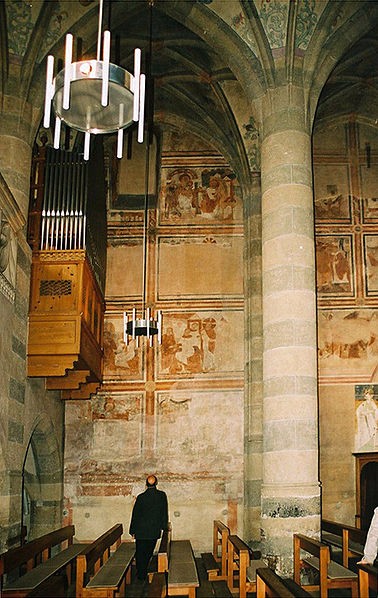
(150, 514)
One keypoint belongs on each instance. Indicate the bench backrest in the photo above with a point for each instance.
(164, 550)
(220, 536)
(268, 583)
(38, 548)
(95, 554)
(347, 534)
(317, 549)
(238, 556)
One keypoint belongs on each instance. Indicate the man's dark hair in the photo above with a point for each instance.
(151, 481)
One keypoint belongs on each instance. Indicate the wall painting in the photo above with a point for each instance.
(366, 436)
(121, 361)
(334, 259)
(332, 195)
(201, 343)
(199, 196)
(369, 182)
(348, 343)
(371, 264)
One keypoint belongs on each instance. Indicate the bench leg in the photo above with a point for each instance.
(354, 589)
(364, 583)
(69, 573)
(192, 592)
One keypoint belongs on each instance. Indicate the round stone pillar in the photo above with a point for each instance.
(290, 497)
(16, 122)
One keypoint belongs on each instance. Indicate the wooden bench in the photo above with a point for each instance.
(104, 566)
(331, 574)
(159, 560)
(269, 584)
(349, 539)
(241, 569)
(215, 562)
(368, 580)
(157, 587)
(164, 549)
(35, 557)
(182, 569)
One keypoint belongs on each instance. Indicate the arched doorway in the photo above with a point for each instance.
(366, 487)
(42, 492)
(369, 492)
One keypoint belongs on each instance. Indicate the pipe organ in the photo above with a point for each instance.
(67, 233)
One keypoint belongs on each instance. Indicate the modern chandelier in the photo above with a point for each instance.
(95, 96)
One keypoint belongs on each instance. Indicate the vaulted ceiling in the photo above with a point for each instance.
(209, 57)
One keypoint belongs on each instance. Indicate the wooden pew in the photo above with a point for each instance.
(331, 574)
(241, 570)
(182, 569)
(368, 580)
(349, 539)
(164, 549)
(271, 585)
(35, 557)
(159, 561)
(157, 588)
(215, 562)
(104, 566)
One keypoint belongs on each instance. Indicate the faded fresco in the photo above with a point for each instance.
(334, 265)
(200, 343)
(369, 179)
(371, 264)
(194, 423)
(121, 361)
(115, 418)
(332, 195)
(366, 438)
(348, 342)
(194, 266)
(199, 196)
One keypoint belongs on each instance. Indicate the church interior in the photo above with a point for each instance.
(243, 226)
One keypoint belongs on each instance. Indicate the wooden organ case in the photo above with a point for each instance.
(67, 233)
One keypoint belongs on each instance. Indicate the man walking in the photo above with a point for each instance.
(149, 518)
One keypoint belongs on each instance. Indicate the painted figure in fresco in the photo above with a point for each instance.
(149, 518)
(185, 195)
(110, 346)
(116, 354)
(208, 336)
(169, 348)
(215, 200)
(333, 268)
(367, 419)
(190, 344)
(126, 357)
(194, 351)
(171, 203)
(371, 544)
(5, 245)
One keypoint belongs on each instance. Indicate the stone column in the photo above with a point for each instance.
(290, 491)
(253, 366)
(22, 400)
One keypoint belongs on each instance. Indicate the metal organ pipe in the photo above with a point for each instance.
(64, 203)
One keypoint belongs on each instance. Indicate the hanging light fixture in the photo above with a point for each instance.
(95, 96)
(146, 324)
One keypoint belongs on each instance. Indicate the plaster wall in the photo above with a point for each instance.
(346, 180)
(177, 409)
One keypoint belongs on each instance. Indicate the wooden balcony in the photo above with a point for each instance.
(65, 323)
